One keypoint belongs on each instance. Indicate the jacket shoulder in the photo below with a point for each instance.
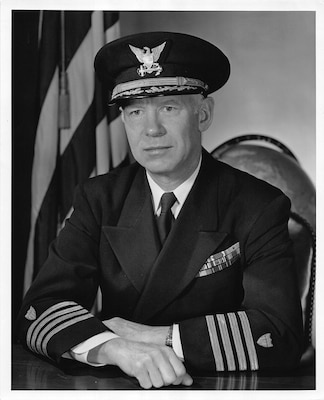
(105, 194)
(121, 176)
(241, 182)
(243, 196)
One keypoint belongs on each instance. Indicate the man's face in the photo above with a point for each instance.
(164, 134)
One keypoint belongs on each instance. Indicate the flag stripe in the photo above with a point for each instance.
(78, 161)
(110, 19)
(43, 166)
(46, 224)
(46, 141)
(77, 26)
(116, 138)
(46, 145)
(48, 52)
(94, 126)
(118, 143)
(54, 205)
(81, 91)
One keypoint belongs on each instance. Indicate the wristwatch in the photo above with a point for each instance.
(168, 340)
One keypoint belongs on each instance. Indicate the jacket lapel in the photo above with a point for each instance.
(135, 239)
(193, 238)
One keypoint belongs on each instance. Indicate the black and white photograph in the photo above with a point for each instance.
(159, 186)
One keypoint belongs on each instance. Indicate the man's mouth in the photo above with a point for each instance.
(157, 149)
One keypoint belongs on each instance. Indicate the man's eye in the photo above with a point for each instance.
(169, 108)
(135, 113)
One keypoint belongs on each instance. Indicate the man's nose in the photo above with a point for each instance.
(154, 126)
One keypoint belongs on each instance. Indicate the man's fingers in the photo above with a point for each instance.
(153, 378)
(160, 369)
(183, 378)
(166, 369)
(187, 380)
(144, 379)
(150, 364)
(176, 363)
(172, 369)
(155, 374)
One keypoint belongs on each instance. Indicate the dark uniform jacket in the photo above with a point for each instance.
(225, 273)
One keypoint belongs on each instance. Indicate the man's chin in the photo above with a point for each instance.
(158, 171)
(158, 165)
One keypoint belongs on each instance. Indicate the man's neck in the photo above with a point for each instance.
(168, 183)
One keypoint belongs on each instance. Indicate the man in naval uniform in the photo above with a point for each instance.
(193, 257)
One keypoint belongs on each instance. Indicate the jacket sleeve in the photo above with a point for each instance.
(55, 312)
(267, 331)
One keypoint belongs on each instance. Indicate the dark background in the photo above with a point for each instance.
(24, 89)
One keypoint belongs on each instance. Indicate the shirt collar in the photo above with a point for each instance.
(181, 192)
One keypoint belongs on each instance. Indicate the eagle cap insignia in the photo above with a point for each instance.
(148, 57)
(265, 340)
(31, 314)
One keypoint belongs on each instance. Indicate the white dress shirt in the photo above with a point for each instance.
(80, 351)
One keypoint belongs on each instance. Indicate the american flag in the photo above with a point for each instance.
(77, 135)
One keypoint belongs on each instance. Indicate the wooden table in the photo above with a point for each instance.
(32, 372)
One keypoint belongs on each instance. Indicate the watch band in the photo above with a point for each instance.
(168, 340)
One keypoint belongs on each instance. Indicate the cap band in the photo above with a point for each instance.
(156, 85)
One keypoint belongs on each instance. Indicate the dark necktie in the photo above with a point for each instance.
(164, 221)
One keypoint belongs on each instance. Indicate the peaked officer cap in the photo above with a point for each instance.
(160, 63)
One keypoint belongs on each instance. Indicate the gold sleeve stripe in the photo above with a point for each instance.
(49, 311)
(232, 342)
(226, 342)
(214, 343)
(249, 340)
(43, 324)
(61, 327)
(53, 320)
(56, 322)
(238, 342)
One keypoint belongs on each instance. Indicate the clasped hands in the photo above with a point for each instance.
(140, 352)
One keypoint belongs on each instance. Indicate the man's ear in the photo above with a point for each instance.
(206, 113)
(121, 110)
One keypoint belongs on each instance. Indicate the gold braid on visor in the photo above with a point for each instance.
(157, 85)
